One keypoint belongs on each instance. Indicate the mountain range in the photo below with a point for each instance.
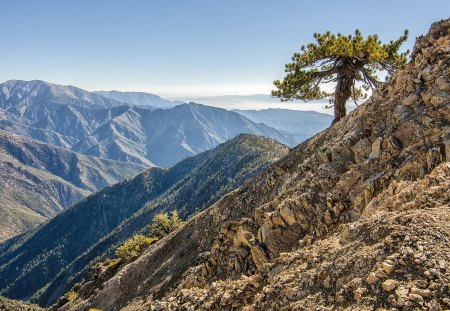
(92, 124)
(262, 102)
(45, 262)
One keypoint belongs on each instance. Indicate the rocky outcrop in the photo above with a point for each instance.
(8, 304)
(355, 218)
(395, 258)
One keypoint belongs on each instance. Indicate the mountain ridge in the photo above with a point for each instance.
(16, 92)
(140, 99)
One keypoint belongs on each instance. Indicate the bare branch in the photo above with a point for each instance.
(323, 74)
(369, 79)
(354, 93)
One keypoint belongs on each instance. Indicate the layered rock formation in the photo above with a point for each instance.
(355, 218)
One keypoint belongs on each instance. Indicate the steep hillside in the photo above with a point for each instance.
(140, 99)
(37, 180)
(46, 262)
(91, 124)
(12, 123)
(303, 124)
(355, 218)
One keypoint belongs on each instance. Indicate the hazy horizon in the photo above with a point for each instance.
(235, 101)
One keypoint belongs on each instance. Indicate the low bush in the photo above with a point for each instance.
(132, 247)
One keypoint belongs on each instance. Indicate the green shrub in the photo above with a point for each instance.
(163, 224)
(71, 297)
(111, 263)
(132, 247)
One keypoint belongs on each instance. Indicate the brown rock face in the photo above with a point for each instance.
(9, 304)
(355, 218)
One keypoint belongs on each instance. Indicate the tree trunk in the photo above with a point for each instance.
(342, 94)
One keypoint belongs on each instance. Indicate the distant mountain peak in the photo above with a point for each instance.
(139, 99)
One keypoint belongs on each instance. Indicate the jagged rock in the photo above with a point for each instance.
(226, 299)
(424, 293)
(410, 100)
(380, 274)
(388, 268)
(372, 278)
(376, 147)
(389, 285)
(442, 84)
(362, 150)
(446, 141)
(396, 143)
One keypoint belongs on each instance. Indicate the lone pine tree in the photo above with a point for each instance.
(352, 62)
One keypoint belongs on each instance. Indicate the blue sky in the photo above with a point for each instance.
(185, 48)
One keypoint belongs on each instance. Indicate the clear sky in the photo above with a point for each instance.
(185, 47)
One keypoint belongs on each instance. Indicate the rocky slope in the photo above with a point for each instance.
(355, 218)
(10, 305)
(38, 181)
(46, 262)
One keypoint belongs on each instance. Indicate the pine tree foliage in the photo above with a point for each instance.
(133, 247)
(352, 62)
(163, 224)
